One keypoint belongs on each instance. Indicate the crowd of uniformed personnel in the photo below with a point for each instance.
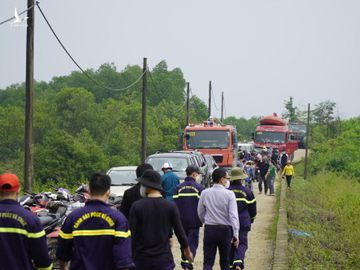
(139, 236)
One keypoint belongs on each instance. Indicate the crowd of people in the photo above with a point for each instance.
(153, 211)
(263, 166)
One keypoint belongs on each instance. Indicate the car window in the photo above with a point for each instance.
(178, 163)
(122, 177)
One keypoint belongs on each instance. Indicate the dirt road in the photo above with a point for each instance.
(259, 254)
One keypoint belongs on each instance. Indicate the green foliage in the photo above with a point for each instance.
(328, 207)
(340, 154)
(245, 127)
(291, 111)
(81, 127)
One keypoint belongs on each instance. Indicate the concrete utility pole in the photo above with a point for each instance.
(209, 99)
(222, 106)
(29, 96)
(187, 104)
(307, 143)
(143, 115)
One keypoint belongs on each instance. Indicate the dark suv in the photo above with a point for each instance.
(179, 160)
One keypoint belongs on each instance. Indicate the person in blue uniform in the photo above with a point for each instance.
(22, 238)
(246, 205)
(169, 181)
(96, 236)
(186, 197)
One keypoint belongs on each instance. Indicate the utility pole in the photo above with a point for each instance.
(222, 106)
(143, 116)
(29, 96)
(187, 104)
(307, 143)
(209, 99)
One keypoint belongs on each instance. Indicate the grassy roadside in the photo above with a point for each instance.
(328, 207)
(273, 229)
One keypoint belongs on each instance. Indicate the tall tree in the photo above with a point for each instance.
(291, 110)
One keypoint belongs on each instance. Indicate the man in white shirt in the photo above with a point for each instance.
(217, 209)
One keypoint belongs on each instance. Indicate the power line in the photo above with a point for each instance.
(216, 107)
(79, 67)
(13, 17)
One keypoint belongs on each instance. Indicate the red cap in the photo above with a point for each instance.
(9, 182)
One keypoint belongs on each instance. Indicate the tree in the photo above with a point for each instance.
(291, 111)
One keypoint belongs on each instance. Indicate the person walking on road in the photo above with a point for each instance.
(217, 209)
(187, 197)
(152, 220)
(270, 177)
(133, 194)
(263, 166)
(283, 160)
(22, 238)
(246, 204)
(169, 181)
(95, 236)
(288, 172)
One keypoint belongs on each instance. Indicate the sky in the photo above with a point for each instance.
(258, 52)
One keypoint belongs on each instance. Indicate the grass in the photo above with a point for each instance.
(273, 229)
(328, 207)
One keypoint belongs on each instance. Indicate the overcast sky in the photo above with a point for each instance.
(259, 52)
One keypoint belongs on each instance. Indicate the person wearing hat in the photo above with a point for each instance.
(95, 236)
(186, 197)
(217, 209)
(22, 238)
(132, 194)
(151, 221)
(169, 181)
(246, 204)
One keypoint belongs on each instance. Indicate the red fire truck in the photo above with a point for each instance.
(218, 140)
(274, 132)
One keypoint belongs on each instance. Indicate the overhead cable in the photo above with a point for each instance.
(13, 17)
(79, 67)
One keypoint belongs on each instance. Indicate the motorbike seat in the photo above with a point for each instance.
(44, 220)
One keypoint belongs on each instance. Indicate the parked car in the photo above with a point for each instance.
(211, 164)
(179, 160)
(248, 147)
(201, 163)
(122, 178)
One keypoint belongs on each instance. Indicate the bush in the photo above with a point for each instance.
(328, 207)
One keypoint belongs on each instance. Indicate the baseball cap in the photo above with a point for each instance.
(9, 182)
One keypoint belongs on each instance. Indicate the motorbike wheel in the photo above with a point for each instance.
(52, 246)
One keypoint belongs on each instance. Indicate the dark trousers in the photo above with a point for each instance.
(261, 181)
(149, 264)
(237, 256)
(217, 237)
(288, 180)
(193, 240)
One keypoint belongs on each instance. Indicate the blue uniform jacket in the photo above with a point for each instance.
(186, 197)
(95, 237)
(169, 182)
(246, 204)
(22, 239)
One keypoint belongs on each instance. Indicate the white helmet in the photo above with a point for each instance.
(166, 165)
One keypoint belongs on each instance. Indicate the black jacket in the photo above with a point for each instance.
(130, 196)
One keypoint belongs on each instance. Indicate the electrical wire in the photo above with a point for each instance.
(213, 97)
(22, 12)
(79, 67)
